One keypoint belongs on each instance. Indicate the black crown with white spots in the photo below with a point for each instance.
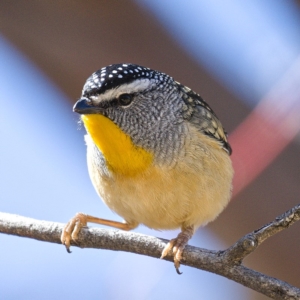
(115, 75)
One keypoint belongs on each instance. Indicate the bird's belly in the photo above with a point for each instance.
(164, 198)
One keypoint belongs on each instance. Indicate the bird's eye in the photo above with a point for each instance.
(125, 99)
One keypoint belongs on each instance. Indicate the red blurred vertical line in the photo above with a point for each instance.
(264, 134)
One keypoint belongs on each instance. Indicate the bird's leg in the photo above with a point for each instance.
(73, 227)
(178, 244)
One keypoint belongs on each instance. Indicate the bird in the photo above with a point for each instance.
(157, 154)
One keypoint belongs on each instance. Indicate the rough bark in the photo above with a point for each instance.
(226, 263)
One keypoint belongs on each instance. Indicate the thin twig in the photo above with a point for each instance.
(227, 263)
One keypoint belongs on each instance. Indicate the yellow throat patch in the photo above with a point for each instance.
(121, 155)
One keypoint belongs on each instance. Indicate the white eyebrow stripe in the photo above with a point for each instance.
(136, 86)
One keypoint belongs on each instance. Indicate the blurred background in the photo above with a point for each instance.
(242, 57)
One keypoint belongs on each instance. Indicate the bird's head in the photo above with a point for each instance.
(126, 107)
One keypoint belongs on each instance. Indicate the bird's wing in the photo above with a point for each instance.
(203, 117)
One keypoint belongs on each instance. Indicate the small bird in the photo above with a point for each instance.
(157, 154)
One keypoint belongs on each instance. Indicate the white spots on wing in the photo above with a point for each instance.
(214, 123)
(186, 89)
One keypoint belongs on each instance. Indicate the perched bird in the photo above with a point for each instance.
(156, 152)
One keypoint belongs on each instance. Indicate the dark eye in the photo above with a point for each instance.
(125, 99)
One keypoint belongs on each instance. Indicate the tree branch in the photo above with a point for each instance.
(226, 263)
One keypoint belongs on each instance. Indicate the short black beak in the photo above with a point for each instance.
(84, 107)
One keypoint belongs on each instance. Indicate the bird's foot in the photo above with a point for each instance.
(177, 246)
(72, 229)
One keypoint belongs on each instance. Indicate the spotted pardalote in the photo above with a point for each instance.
(157, 154)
